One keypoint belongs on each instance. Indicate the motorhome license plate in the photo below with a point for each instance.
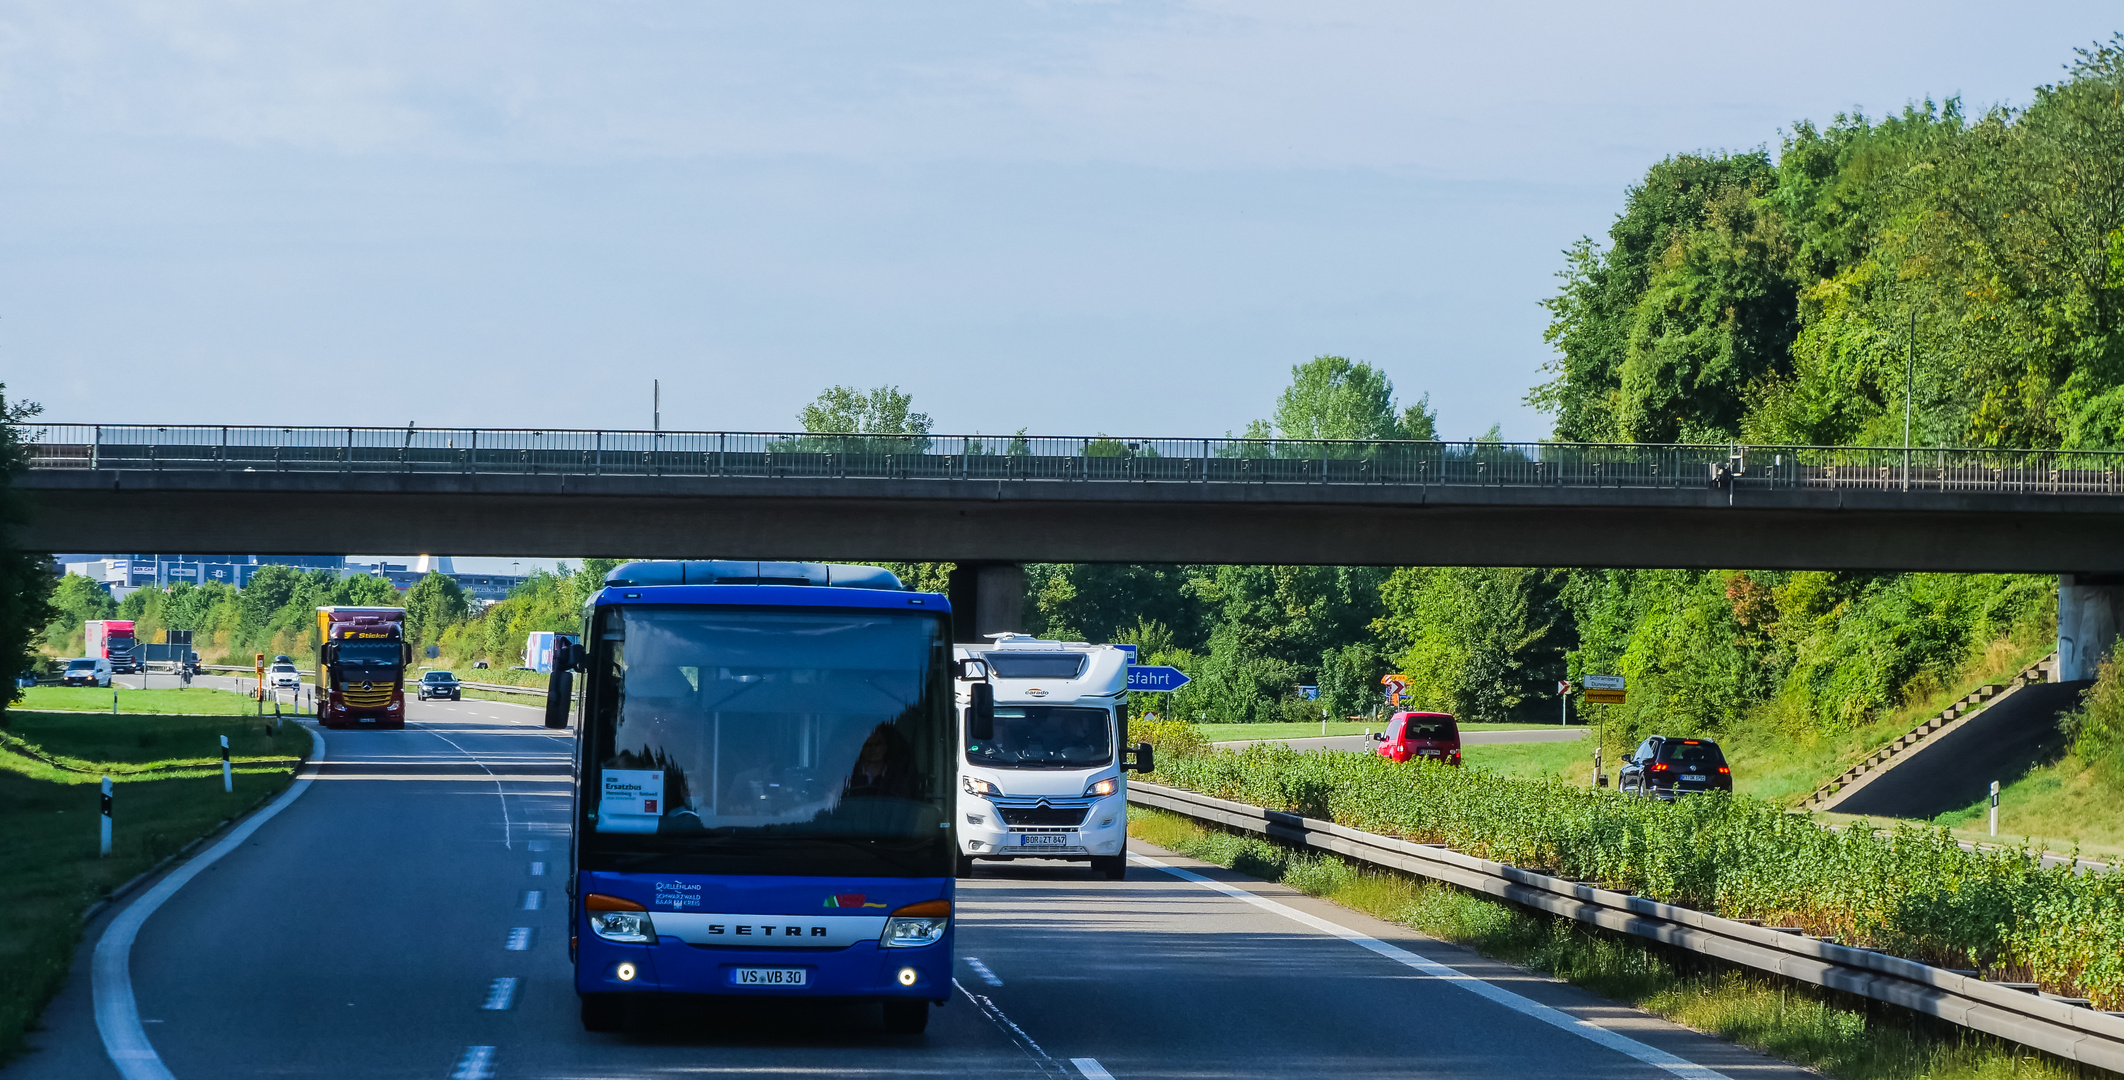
(1044, 840)
(1693, 776)
(770, 976)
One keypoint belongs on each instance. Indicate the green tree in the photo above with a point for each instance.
(1659, 333)
(75, 600)
(1483, 643)
(1333, 397)
(847, 410)
(434, 604)
(1097, 602)
(25, 577)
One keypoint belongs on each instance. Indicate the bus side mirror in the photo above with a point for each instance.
(567, 655)
(1144, 762)
(980, 712)
(558, 693)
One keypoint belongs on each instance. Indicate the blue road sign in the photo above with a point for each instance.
(1131, 651)
(1309, 693)
(1156, 679)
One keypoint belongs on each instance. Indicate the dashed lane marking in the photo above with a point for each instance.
(519, 939)
(532, 898)
(981, 969)
(501, 993)
(1557, 1018)
(538, 869)
(477, 1064)
(1091, 1069)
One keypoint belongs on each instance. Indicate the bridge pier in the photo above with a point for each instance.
(2090, 616)
(986, 598)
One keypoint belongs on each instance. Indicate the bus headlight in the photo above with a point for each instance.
(916, 925)
(633, 927)
(618, 919)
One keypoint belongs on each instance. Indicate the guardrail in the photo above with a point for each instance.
(1099, 458)
(2065, 1027)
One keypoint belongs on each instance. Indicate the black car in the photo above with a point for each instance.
(440, 684)
(1664, 766)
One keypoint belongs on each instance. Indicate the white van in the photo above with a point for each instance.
(1042, 769)
(87, 671)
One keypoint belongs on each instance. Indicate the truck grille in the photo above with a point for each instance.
(375, 698)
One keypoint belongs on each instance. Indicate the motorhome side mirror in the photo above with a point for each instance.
(558, 694)
(980, 712)
(1143, 762)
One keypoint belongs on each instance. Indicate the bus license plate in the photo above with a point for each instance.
(1044, 840)
(1694, 776)
(770, 976)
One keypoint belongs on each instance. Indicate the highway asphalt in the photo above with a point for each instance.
(363, 931)
(1467, 738)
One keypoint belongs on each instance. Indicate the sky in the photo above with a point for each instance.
(1073, 218)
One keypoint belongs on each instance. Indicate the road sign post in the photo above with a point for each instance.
(106, 848)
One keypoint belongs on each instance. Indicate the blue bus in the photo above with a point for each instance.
(764, 786)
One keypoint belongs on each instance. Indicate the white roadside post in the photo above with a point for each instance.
(228, 779)
(106, 849)
(1994, 808)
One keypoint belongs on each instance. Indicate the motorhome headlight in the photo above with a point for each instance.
(916, 924)
(617, 919)
(977, 786)
(1101, 787)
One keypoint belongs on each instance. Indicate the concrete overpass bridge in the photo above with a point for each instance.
(993, 502)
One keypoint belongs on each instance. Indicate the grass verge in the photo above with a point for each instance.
(1836, 1034)
(49, 813)
(198, 700)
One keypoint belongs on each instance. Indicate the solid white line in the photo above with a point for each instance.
(1091, 1069)
(508, 829)
(110, 973)
(1557, 1018)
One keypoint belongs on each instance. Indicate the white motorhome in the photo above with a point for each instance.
(1042, 771)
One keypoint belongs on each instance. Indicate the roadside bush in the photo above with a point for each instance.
(1911, 891)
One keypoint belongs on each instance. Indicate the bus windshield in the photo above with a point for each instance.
(725, 740)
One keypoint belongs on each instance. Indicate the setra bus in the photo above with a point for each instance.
(764, 788)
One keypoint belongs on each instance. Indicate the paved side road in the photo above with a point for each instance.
(1467, 738)
(405, 917)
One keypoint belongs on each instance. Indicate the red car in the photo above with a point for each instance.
(1411, 735)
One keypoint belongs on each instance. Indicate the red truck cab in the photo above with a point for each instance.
(1420, 735)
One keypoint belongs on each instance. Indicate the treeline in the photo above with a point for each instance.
(275, 612)
(1814, 651)
(1973, 266)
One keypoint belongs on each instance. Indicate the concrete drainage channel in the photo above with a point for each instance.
(1931, 733)
(2012, 1011)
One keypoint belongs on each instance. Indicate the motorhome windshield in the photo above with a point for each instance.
(753, 741)
(1046, 737)
(370, 654)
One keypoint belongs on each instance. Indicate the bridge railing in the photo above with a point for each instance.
(1098, 458)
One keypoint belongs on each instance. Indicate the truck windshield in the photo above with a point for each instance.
(1046, 737)
(369, 654)
(762, 741)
